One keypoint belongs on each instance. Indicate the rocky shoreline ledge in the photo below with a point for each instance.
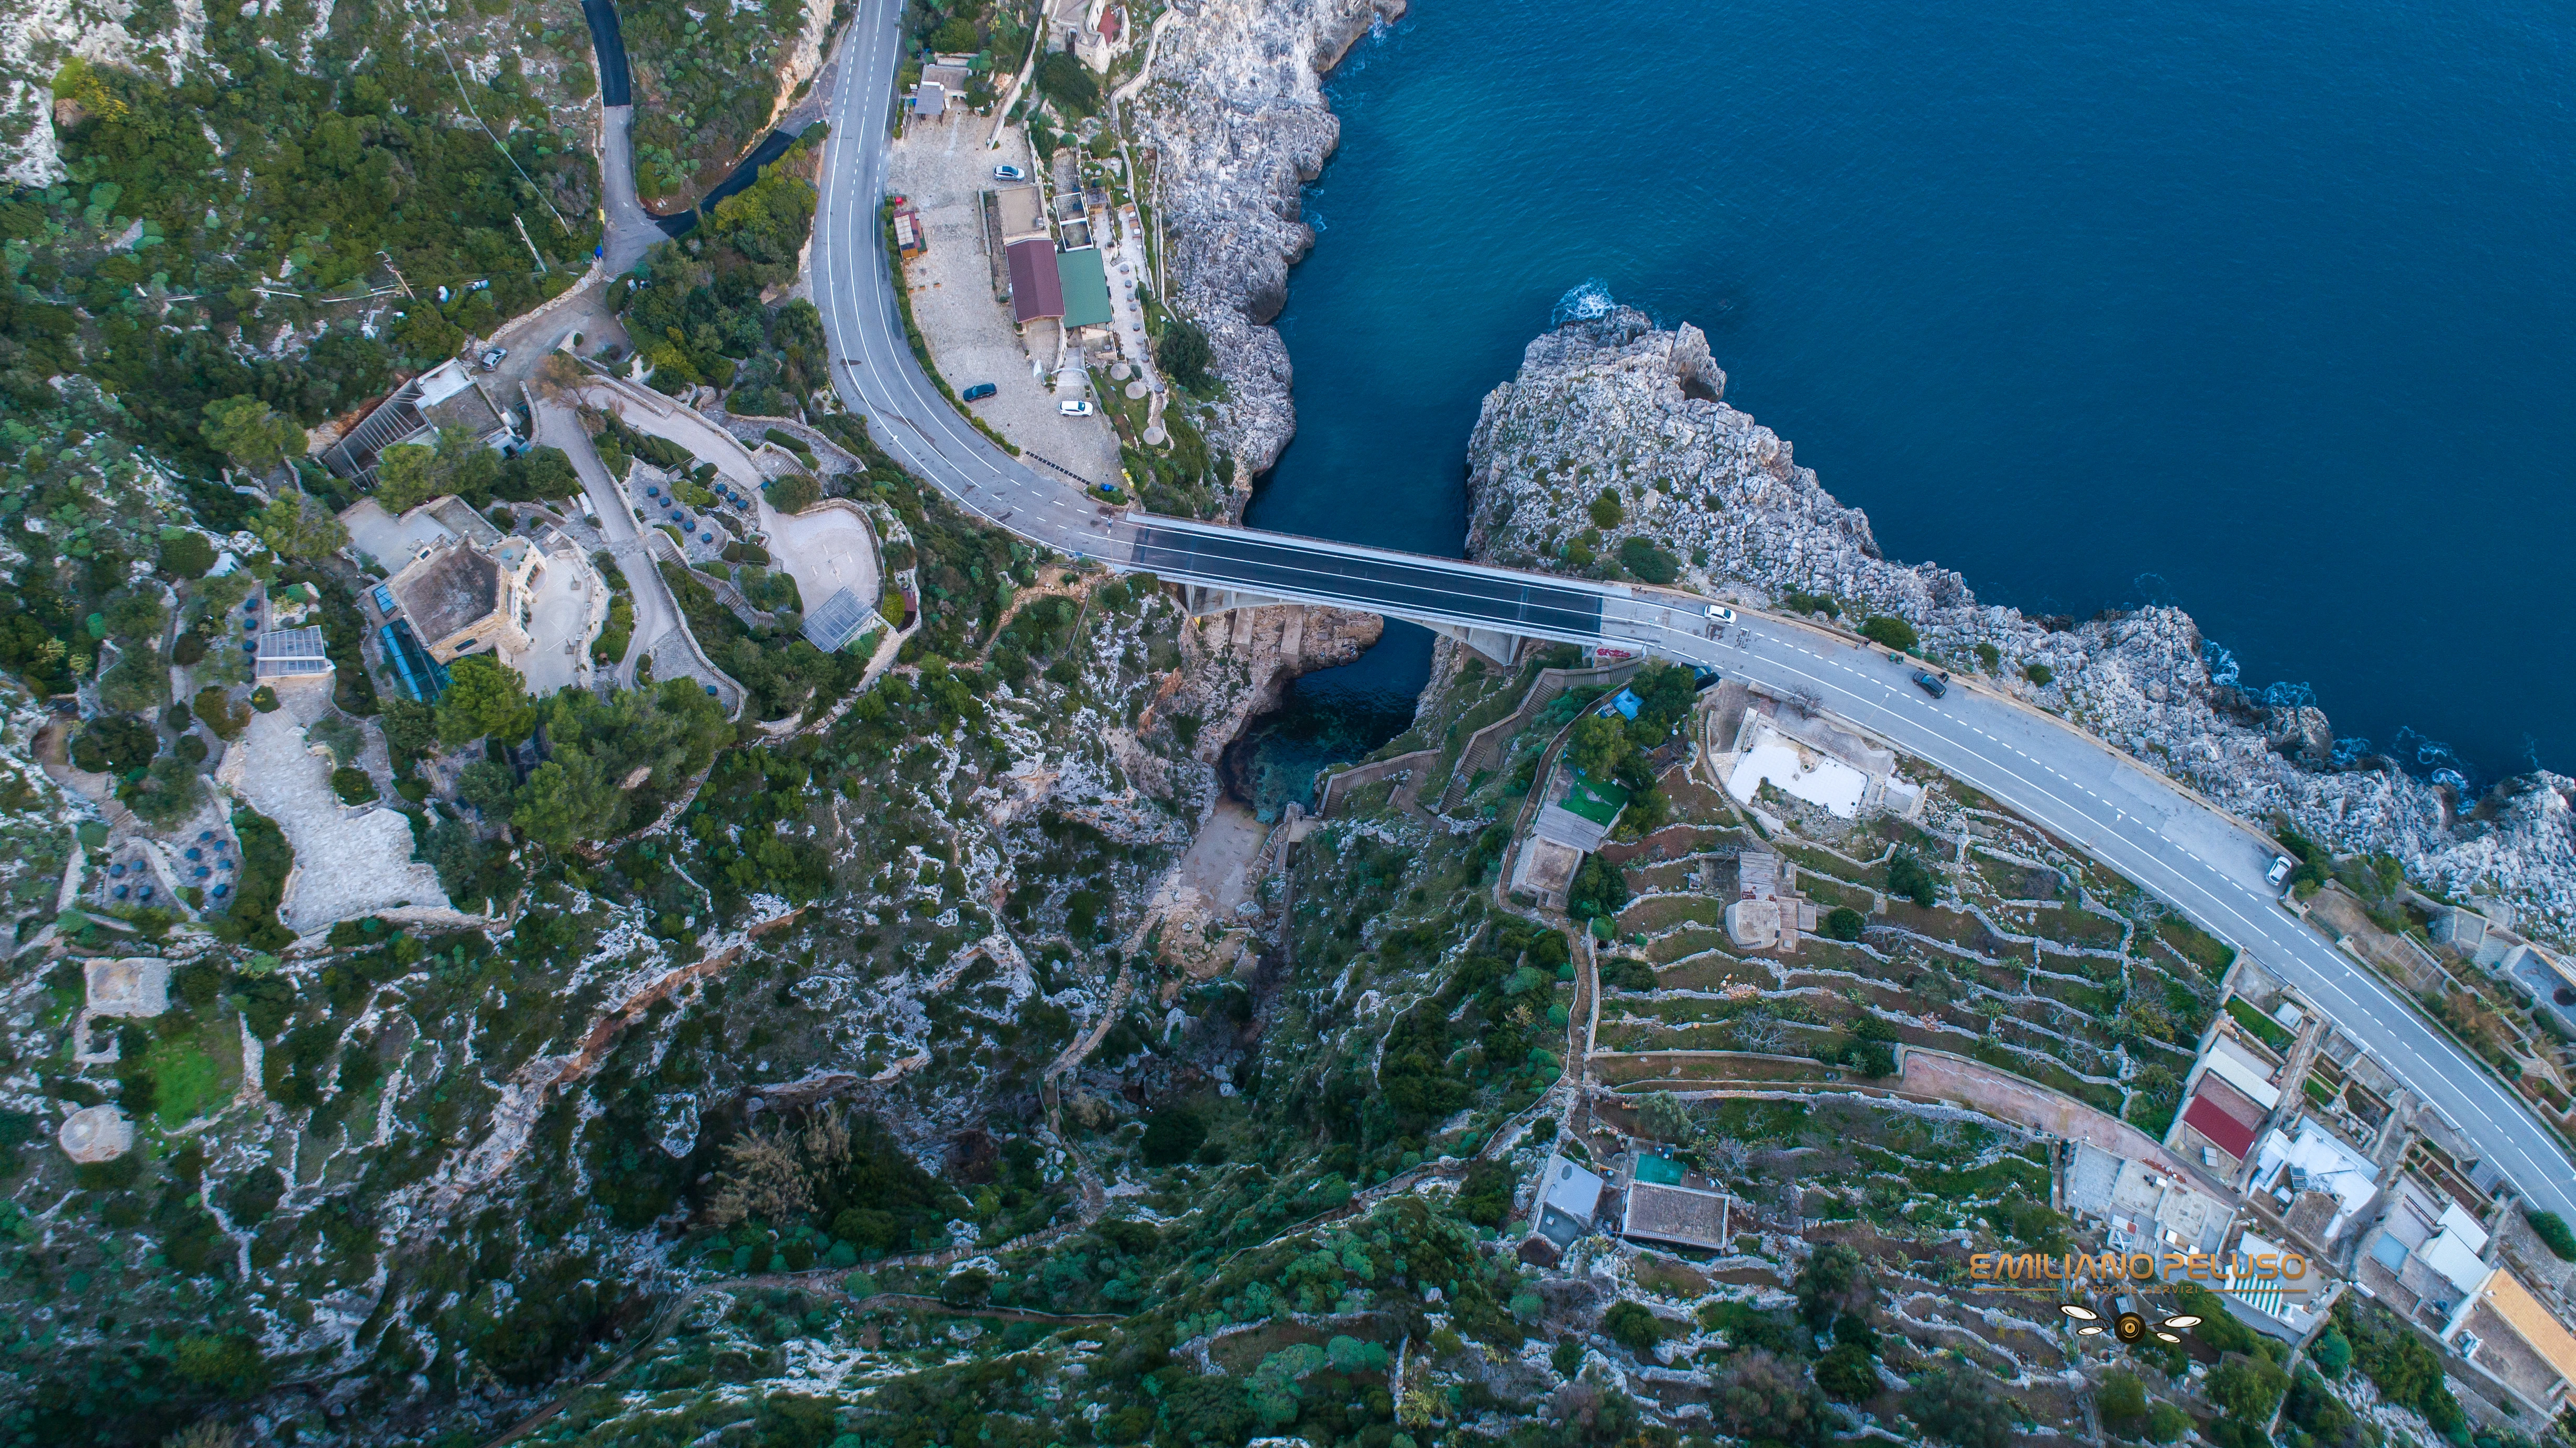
(1613, 403)
(1237, 120)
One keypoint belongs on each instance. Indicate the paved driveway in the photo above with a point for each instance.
(655, 614)
(560, 610)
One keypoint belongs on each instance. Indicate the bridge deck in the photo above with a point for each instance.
(1403, 584)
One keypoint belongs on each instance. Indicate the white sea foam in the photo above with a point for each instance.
(1582, 302)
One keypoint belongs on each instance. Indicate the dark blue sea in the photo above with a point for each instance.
(2263, 311)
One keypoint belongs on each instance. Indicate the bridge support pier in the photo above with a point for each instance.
(1493, 643)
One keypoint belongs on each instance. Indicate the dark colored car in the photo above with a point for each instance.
(979, 391)
(1933, 685)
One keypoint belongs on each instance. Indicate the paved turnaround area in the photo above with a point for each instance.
(2176, 845)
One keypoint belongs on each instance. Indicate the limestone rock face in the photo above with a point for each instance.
(1236, 119)
(1614, 404)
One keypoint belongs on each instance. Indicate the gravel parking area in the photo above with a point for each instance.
(943, 169)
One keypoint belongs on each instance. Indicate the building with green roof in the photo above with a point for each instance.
(1086, 288)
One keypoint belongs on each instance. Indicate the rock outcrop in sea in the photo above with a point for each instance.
(1615, 405)
(1238, 125)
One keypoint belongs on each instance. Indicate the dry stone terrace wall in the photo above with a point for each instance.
(1617, 404)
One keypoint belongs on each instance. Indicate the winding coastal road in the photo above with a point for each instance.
(2175, 844)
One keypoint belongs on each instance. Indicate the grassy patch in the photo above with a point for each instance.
(196, 1074)
(2196, 945)
(2269, 1031)
(1666, 911)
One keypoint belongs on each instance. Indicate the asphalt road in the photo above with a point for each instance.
(656, 613)
(874, 366)
(2182, 849)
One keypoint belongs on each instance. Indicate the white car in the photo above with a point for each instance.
(2282, 865)
(1078, 407)
(1721, 613)
(1009, 173)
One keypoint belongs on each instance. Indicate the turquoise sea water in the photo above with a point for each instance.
(2261, 311)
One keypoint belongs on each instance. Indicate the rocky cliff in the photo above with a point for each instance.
(1236, 119)
(1613, 406)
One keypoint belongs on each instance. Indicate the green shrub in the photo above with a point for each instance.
(1890, 632)
(2398, 1361)
(1958, 1405)
(1631, 1326)
(2332, 1353)
(264, 699)
(353, 785)
(1172, 1134)
(2123, 1402)
(1486, 1195)
(1990, 656)
(114, 744)
(1908, 879)
(1599, 890)
(2166, 1423)
(1848, 1374)
(1184, 354)
(1873, 1059)
(1845, 923)
(2040, 674)
(1607, 511)
(2249, 1388)
(793, 493)
(266, 860)
(1645, 561)
(2553, 1232)
(187, 556)
(1065, 80)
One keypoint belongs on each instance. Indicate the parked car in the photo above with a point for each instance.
(979, 392)
(492, 359)
(2282, 865)
(1076, 407)
(1009, 173)
(1933, 685)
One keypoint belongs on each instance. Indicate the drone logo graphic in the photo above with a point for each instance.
(2127, 1324)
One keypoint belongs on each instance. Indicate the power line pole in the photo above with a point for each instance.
(388, 260)
(530, 245)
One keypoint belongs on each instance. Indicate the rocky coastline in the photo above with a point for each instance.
(1614, 403)
(1237, 123)
(1237, 120)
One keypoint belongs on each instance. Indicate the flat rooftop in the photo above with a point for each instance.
(449, 592)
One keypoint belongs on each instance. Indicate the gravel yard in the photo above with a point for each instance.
(349, 861)
(943, 168)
